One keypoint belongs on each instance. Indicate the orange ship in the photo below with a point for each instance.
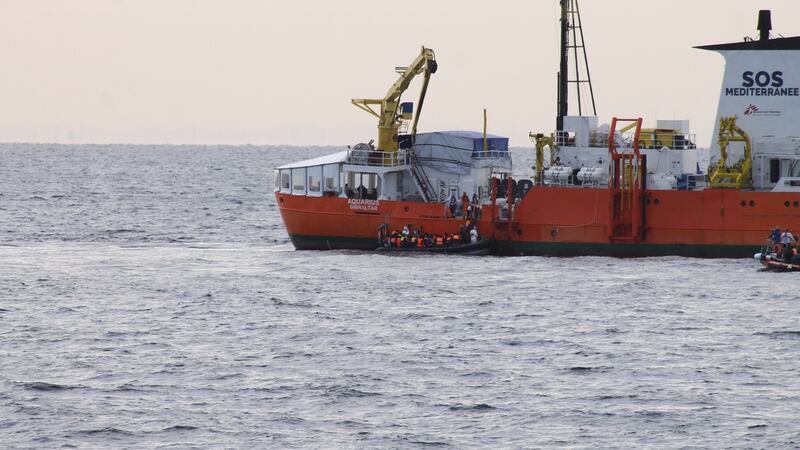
(616, 190)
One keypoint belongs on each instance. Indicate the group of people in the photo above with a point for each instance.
(785, 245)
(466, 208)
(410, 237)
(361, 192)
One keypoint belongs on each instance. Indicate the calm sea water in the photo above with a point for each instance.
(149, 297)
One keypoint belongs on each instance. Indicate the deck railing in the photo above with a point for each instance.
(490, 154)
(657, 139)
(377, 158)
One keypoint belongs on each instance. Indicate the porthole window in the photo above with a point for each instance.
(786, 203)
(743, 203)
(657, 201)
(796, 203)
(752, 203)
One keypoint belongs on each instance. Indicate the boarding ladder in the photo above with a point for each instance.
(627, 186)
(420, 178)
(502, 225)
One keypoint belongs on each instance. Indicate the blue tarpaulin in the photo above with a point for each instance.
(496, 144)
(458, 151)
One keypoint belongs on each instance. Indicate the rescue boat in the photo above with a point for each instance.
(479, 248)
(775, 263)
(620, 189)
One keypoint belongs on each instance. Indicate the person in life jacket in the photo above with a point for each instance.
(775, 236)
(463, 232)
(787, 238)
(795, 255)
(464, 204)
(382, 236)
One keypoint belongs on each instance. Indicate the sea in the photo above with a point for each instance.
(150, 298)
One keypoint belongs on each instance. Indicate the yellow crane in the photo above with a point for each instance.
(740, 175)
(389, 119)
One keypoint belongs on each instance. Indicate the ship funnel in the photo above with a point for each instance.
(764, 24)
(761, 87)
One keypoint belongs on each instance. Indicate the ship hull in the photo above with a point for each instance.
(330, 223)
(561, 221)
(710, 223)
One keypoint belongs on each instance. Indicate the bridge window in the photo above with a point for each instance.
(314, 180)
(330, 177)
(363, 185)
(299, 181)
(286, 180)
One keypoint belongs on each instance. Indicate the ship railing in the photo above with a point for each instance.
(378, 158)
(655, 139)
(490, 154)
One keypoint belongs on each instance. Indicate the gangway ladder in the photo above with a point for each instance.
(627, 186)
(420, 178)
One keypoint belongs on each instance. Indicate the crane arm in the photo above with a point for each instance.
(421, 101)
(388, 118)
(419, 65)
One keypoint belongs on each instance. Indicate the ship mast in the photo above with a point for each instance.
(571, 24)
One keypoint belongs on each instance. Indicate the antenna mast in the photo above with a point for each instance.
(571, 28)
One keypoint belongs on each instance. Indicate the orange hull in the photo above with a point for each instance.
(561, 221)
(709, 223)
(319, 223)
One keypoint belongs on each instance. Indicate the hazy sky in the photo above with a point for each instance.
(283, 72)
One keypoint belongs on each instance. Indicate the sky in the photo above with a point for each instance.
(280, 72)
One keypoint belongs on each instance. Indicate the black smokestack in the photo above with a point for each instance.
(764, 24)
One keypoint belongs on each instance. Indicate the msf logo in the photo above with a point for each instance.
(750, 110)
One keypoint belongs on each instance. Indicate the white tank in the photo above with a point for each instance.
(661, 181)
(558, 174)
(594, 175)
